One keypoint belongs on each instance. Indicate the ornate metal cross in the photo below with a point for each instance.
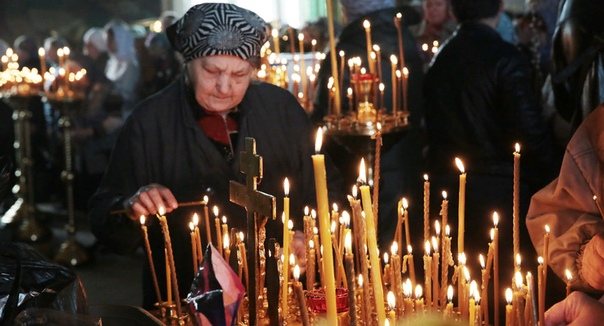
(259, 206)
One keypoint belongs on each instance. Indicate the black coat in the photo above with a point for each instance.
(479, 102)
(162, 143)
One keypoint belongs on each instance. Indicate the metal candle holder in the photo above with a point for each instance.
(70, 252)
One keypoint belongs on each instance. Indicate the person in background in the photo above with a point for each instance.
(95, 48)
(51, 45)
(436, 26)
(122, 68)
(186, 141)
(26, 48)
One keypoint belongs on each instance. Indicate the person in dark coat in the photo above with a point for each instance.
(479, 103)
(185, 141)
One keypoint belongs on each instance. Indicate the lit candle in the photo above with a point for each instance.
(428, 273)
(391, 300)
(323, 210)
(197, 239)
(528, 310)
(310, 268)
(382, 88)
(516, 200)
(408, 240)
(66, 53)
(393, 66)
(398, 24)
(350, 275)
(170, 256)
(509, 313)
(193, 247)
(397, 278)
(276, 45)
(419, 300)
(349, 96)
(569, 278)
(42, 56)
(426, 208)
(388, 275)
(284, 286)
(496, 288)
(150, 259)
(447, 260)
(435, 284)
(378, 55)
(408, 292)
(61, 57)
(332, 52)
(444, 207)
(461, 262)
(472, 303)
(449, 307)
(168, 278)
(462, 205)
(302, 65)
(217, 229)
(225, 228)
(207, 219)
(405, 86)
(226, 243)
(300, 297)
(243, 257)
(540, 289)
(369, 44)
(546, 237)
(376, 276)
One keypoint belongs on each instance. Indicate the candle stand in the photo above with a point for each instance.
(70, 252)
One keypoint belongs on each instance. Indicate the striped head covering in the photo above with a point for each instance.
(218, 29)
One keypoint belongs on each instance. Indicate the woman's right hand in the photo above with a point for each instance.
(149, 199)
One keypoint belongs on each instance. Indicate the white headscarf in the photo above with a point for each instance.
(96, 36)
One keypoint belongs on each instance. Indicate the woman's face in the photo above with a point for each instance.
(436, 12)
(220, 81)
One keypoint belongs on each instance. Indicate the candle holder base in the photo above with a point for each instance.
(31, 230)
(71, 253)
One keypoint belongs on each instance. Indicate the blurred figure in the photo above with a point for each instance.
(3, 47)
(436, 26)
(164, 64)
(122, 67)
(51, 45)
(26, 48)
(95, 48)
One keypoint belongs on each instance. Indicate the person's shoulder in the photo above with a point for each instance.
(164, 100)
(269, 91)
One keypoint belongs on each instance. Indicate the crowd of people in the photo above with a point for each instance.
(174, 112)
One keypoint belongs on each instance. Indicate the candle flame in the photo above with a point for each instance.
(405, 72)
(363, 71)
(407, 288)
(41, 52)
(481, 260)
(394, 248)
(509, 295)
(290, 225)
(379, 126)
(348, 241)
(518, 259)
(292, 259)
(360, 280)
(462, 258)
(373, 55)
(161, 211)
(300, 37)
(142, 219)
(341, 53)
(460, 166)
(241, 236)
(215, 211)
(386, 258)
(306, 210)
(226, 241)
(334, 226)
(419, 292)
(466, 273)
(286, 187)
(355, 191)
(66, 51)
(345, 218)
(447, 230)
(349, 92)
(60, 52)
(296, 272)
(313, 213)
(334, 207)
(495, 218)
(205, 200)
(376, 48)
(311, 244)
(434, 244)
(362, 173)
(393, 60)
(568, 275)
(274, 33)
(473, 289)
(427, 247)
(492, 234)
(224, 219)
(409, 249)
(518, 280)
(381, 87)
(425, 177)
(516, 148)
(399, 15)
(318, 140)
(547, 229)
(191, 226)
(391, 299)
(405, 203)
(398, 74)
(366, 24)
(444, 194)
(195, 219)
(540, 260)
(315, 230)
(437, 227)
(450, 293)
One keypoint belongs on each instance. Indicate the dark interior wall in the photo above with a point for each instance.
(68, 18)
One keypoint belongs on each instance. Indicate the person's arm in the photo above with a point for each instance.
(577, 309)
(567, 206)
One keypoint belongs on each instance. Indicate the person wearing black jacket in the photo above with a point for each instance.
(185, 141)
(479, 103)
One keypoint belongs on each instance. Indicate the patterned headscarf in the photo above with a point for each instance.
(218, 29)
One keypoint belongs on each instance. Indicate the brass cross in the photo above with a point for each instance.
(258, 207)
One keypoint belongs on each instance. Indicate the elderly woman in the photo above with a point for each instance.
(185, 141)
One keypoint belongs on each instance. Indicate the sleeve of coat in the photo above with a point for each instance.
(567, 206)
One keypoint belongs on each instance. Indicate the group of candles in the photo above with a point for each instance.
(60, 81)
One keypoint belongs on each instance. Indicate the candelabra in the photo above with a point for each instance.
(70, 252)
(30, 229)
